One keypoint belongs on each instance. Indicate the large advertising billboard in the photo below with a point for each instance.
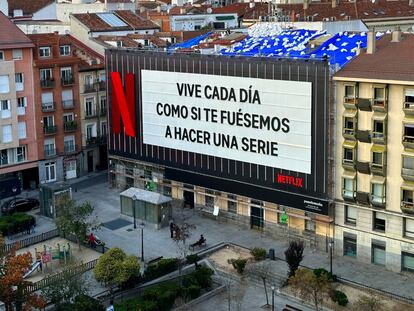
(249, 126)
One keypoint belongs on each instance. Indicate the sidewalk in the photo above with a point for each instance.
(158, 243)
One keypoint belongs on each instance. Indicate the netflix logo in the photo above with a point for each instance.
(290, 180)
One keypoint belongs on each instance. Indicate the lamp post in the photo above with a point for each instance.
(14, 190)
(134, 199)
(142, 226)
(331, 244)
(273, 297)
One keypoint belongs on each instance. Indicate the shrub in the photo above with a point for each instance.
(193, 258)
(16, 223)
(258, 253)
(164, 294)
(340, 298)
(202, 275)
(162, 267)
(331, 277)
(238, 264)
(146, 306)
(192, 291)
(87, 303)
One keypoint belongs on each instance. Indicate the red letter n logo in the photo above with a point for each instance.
(123, 106)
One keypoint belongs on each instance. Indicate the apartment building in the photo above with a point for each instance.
(57, 61)
(93, 116)
(18, 149)
(374, 214)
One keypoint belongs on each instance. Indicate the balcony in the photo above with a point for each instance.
(348, 133)
(348, 195)
(348, 164)
(49, 83)
(65, 81)
(50, 129)
(102, 112)
(379, 138)
(69, 126)
(70, 149)
(102, 85)
(50, 152)
(379, 104)
(48, 107)
(408, 108)
(89, 88)
(68, 104)
(363, 136)
(408, 141)
(407, 207)
(363, 167)
(407, 174)
(92, 141)
(378, 169)
(364, 104)
(377, 201)
(350, 102)
(90, 114)
(362, 197)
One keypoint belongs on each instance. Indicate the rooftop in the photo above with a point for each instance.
(117, 20)
(146, 196)
(390, 61)
(11, 36)
(27, 6)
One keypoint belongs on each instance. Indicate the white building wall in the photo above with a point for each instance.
(189, 22)
(4, 7)
(64, 10)
(31, 27)
(47, 12)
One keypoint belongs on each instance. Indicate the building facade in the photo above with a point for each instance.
(239, 184)
(375, 155)
(18, 146)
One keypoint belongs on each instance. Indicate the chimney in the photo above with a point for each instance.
(183, 11)
(159, 9)
(305, 4)
(142, 9)
(251, 5)
(371, 42)
(334, 4)
(396, 35)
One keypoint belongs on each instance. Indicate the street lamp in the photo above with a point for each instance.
(134, 199)
(331, 244)
(142, 226)
(14, 189)
(273, 297)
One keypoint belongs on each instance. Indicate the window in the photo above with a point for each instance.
(44, 51)
(102, 76)
(71, 169)
(45, 74)
(88, 80)
(66, 75)
(103, 104)
(379, 97)
(48, 121)
(378, 193)
(68, 117)
(408, 228)
(5, 109)
(407, 165)
(47, 102)
(350, 245)
(7, 133)
(64, 50)
(50, 171)
(377, 159)
(378, 131)
(379, 222)
(408, 135)
(21, 154)
(348, 190)
(349, 94)
(17, 54)
(407, 198)
(67, 99)
(119, 44)
(104, 129)
(90, 107)
(209, 201)
(349, 126)
(409, 99)
(22, 130)
(350, 215)
(1, 55)
(4, 157)
(21, 105)
(348, 155)
(309, 225)
(4, 84)
(232, 203)
(49, 147)
(69, 142)
(378, 252)
(19, 81)
(90, 131)
(407, 262)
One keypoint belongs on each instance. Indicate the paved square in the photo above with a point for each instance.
(116, 224)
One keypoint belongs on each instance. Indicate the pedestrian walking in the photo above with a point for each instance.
(172, 229)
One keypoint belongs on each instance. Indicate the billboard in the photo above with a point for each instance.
(250, 126)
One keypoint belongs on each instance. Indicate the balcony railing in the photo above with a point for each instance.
(348, 195)
(50, 152)
(90, 114)
(350, 102)
(92, 141)
(47, 83)
(407, 174)
(378, 169)
(377, 201)
(348, 164)
(348, 133)
(70, 148)
(50, 129)
(378, 137)
(69, 126)
(409, 108)
(67, 80)
(407, 207)
(68, 104)
(408, 141)
(379, 104)
(47, 107)
(89, 88)
(102, 85)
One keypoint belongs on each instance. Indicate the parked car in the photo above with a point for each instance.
(19, 205)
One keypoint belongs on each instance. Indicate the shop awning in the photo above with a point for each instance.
(378, 148)
(225, 18)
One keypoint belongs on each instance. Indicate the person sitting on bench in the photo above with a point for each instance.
(200, 242)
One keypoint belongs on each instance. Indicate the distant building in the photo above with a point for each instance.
(18, 149)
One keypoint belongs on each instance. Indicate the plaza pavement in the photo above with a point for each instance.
(158, 243)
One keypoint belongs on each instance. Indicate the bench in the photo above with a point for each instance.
(291, 308)
(154, 260)
(194, 245)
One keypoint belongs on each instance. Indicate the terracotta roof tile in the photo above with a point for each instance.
(11, 36)
(391, 61)
(28, 6)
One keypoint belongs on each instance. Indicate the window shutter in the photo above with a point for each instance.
(47, 98)
(22, 130)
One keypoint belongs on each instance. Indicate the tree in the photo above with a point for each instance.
(75, 219)
(114, 268)
(373, 302)
(311, 287)
(66, 289)
(263, 271)
(13, 287)
(294, 255)
(182, 234)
